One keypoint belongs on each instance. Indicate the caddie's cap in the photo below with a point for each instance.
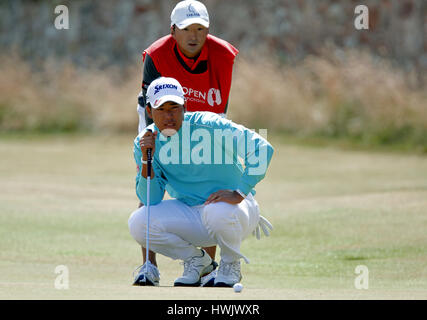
(164, 89)
(189, 12)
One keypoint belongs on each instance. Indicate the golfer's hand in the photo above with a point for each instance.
(231, 197)
(148, 141)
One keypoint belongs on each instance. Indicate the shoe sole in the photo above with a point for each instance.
(223, 285)
(182, 284)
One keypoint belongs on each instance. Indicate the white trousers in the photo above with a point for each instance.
(177, 230)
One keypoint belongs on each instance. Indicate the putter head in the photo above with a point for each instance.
(147, 275)
(143, 280)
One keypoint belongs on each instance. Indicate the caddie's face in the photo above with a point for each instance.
(168, 117)
(190, 40)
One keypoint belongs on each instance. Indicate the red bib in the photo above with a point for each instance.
(207, 91)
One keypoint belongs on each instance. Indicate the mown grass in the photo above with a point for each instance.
(65, 200)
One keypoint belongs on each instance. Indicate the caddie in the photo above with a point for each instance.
(201, 62)
(210, 166)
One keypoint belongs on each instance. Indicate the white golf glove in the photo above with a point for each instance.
(263, 224)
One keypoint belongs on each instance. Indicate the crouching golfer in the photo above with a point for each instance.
(209, 165)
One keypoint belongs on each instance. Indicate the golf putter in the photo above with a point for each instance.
(147, 243)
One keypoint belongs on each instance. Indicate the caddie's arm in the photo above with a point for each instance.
(147, 141)
(149, 74)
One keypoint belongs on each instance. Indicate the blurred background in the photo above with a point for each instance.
(345, 110)
(303, 70)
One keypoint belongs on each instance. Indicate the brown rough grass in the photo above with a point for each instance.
(63, 97)
(338, 94)
(351, 94)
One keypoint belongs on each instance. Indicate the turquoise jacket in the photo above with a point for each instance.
(209, 153)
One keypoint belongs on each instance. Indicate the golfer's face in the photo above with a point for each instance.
(168, 117)
(190, 40)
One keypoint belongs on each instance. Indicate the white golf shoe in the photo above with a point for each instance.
(194, 268)
(228, 274)
(148, 275)
(209, 279)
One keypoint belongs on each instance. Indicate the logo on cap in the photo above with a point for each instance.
(164, 86)
(192, 11)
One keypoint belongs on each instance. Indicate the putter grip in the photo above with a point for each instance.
(149, 159)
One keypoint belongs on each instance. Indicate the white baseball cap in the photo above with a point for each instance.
(164, 89)
(189, 12)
